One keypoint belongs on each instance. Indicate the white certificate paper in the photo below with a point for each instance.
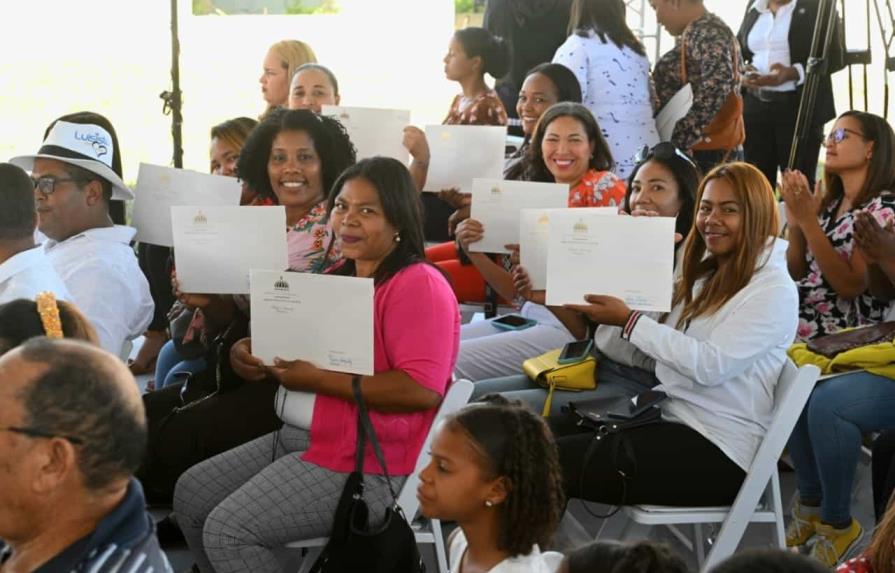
(631, 258)
(374, 131)
(497, 204)
(461, 153)
(326, 320)
(216, 247)
(534, 231)
(160, 188)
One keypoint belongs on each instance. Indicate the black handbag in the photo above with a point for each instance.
(354, 546)
(601, 415)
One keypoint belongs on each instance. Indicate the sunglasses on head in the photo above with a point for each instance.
(665, 150)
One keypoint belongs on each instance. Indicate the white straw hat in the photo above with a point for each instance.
(86, 145)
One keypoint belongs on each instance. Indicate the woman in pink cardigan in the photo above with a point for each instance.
(284, 486)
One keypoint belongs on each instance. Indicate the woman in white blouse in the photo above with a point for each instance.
(613, 70)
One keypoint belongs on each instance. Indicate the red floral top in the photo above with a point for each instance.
(486, 109)
(598, 189)
(856, 565)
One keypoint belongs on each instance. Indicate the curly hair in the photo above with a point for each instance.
(770, 561)
(601, 160)
(615, 557)
(333, 145)
(516, 444)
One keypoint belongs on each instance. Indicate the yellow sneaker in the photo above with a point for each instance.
(802, 526)
(833, 544)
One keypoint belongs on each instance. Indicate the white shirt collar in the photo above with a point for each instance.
(116, 234)
(20, 262)
(761, 6)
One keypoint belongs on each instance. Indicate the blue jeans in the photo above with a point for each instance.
(169, 364)
(826, 441)
(613, 379)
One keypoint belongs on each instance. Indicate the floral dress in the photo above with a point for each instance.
(821, 310)
(484, 109)
(598, 189)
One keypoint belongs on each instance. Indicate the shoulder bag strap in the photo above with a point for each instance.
(365, 429)
(684, 79)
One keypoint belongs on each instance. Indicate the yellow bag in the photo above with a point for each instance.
(548, 373)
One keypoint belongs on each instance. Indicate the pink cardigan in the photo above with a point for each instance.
(416, 329)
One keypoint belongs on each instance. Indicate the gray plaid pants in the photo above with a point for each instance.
(236, 507)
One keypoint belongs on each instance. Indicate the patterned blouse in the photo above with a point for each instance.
(598, 189)
(309, 240)
(485, 109)
(821, 310)
(856, 565)
(710, 71)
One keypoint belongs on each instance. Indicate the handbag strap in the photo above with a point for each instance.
(365, 430)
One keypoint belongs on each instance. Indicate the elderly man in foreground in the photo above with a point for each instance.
(72, 431)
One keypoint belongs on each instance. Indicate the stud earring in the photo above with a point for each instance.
(489, 503)
(397, 237)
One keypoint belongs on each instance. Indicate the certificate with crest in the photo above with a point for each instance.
(461, 153)
(326, 320)
(374, 131)
(496, 204)
(631, 258)
(534, 230)
(160, 188)
(216, 247)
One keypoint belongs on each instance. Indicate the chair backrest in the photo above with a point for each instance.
(790, 396)
(456, 397)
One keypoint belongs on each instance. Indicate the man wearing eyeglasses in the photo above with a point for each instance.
(72, 432)
(25, 271)
(74, 182)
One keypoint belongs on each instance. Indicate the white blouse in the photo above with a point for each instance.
(534, 562)
(615, 87)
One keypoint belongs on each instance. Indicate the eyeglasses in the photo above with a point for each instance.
(840, 134)
(47, 184)
(38, 433)
(664, 150)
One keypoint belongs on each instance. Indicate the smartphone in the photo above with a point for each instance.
(513, 322)
(575, 351)
(638, 405)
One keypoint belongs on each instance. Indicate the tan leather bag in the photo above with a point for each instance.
(727, 129)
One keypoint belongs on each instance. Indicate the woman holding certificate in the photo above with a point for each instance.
(664, 184)
(717, 355)
(375, 213)
(291, 158)
(567, 147)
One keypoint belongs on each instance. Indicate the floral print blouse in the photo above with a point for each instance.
(309, 240)
(485, 109)
(821, 310)
(598, 189)
(710, 71)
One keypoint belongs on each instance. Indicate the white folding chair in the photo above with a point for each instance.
(792, 392)
(425, 530)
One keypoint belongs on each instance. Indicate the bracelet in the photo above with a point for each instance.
(628, 329)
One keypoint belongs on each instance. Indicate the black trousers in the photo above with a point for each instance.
(770, 127)
(665, 464)
(883, 472)
(179, 439)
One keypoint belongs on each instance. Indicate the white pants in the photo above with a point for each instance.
(486, 351)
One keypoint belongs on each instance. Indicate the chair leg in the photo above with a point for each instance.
(440, 556)
(776, 504)
(699, 544)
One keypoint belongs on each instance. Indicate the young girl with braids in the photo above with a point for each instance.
(495, 471)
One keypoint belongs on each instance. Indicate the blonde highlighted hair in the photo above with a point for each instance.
(292, 54)
(760, 222)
